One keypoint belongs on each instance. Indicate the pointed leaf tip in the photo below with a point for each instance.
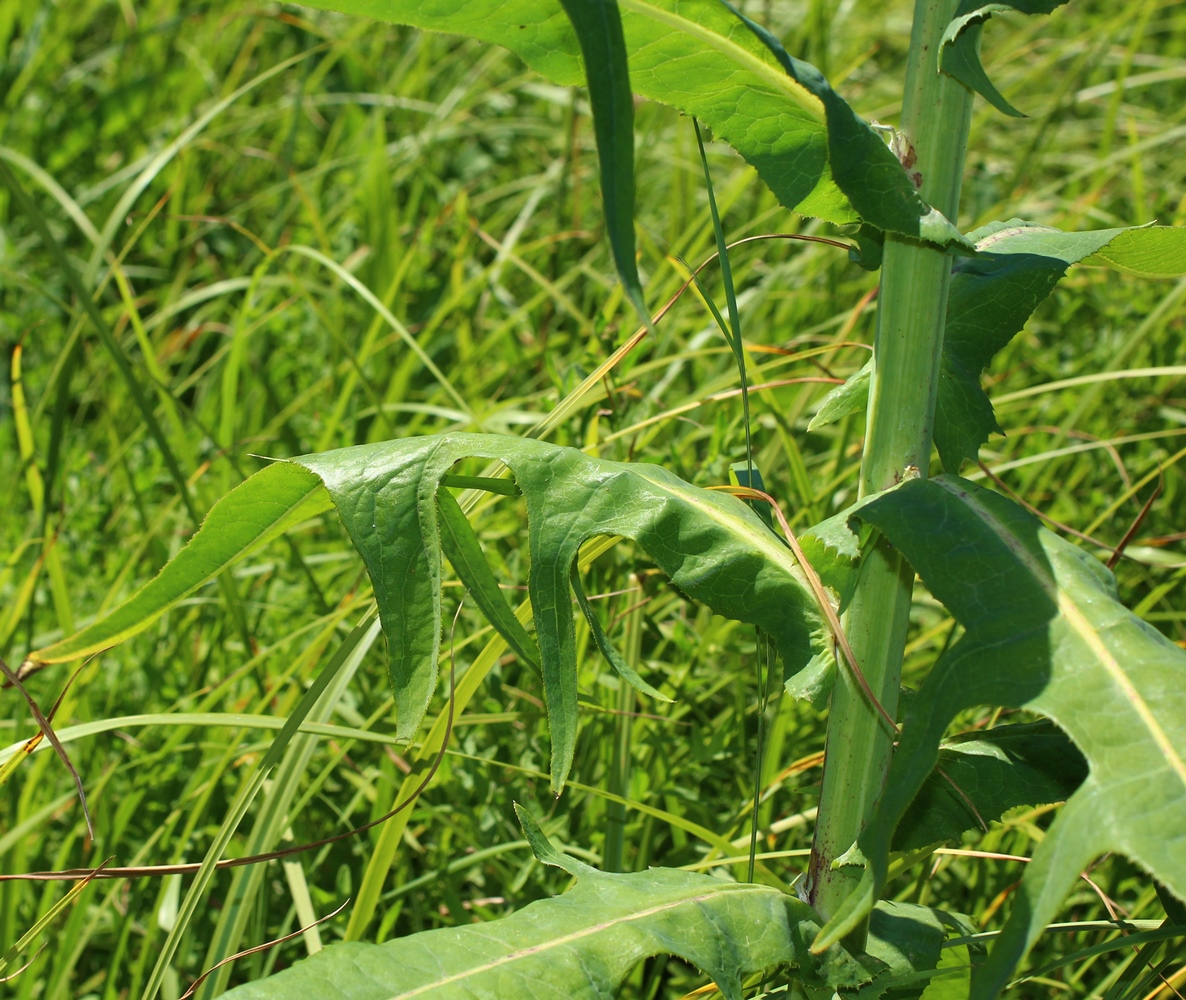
(545, 851)
(959, 51)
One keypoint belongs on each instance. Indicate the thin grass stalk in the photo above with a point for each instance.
(621, 775)
(912, 304)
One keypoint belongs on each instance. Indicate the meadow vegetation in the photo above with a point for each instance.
(268, 207)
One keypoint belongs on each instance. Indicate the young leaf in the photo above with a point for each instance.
(960, 48)
(599, 30)
(714, 548)
(1044, 632)
(259, 510)
(850, 397)
(690, 54)
(863, 166)
(545, 851)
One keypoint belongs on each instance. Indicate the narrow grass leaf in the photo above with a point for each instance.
(238, 808)
(272, 819)
(26, 940)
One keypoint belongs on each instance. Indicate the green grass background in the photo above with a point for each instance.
(195, 159)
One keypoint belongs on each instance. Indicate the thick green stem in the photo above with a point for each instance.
(911, 308)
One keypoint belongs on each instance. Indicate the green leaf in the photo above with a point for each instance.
(598, 25)
(955, 979)
(990, 298)
(960, 47)
(863, 166)
(605, 647)
(1149, 252)
(850, 397)
(464, 552)
(980, 776)
(690, 54)
(264, 507)
(583, 944)
(835, 549)
(545, 851)
(714, 548)
(870, 247)
(22, 945)
(1044, 632)
(907, 938)
(580, 945)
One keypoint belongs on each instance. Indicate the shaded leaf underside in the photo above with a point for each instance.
(980, 776)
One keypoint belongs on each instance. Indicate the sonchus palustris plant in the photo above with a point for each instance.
(1040, 626)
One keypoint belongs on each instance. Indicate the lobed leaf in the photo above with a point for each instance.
(990, 298)
(1044, 632)
(980, 776)
(579, 945)
(582, 944)
(711, 545)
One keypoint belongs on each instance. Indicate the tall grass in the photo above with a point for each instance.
(265, 245)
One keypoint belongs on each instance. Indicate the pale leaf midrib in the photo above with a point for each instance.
(537, 949)
(1082, 627)
(1078, 621)
(768, 544)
